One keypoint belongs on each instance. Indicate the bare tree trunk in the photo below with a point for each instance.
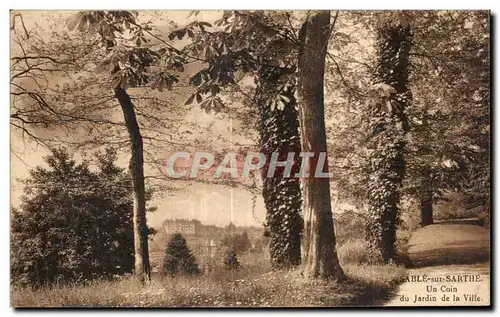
(426, 199)
(142, 265)
(321, 256)
(426, 192)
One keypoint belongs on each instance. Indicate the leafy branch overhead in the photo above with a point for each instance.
(231, 51)
(133, 60)
(235, 49)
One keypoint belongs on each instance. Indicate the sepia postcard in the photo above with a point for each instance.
(242, 159)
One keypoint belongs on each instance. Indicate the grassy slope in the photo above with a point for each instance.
(448, 248)
(367, 285)
(449, 242)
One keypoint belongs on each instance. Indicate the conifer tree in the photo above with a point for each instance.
(73, 223)
(231, 262)
(178, 258)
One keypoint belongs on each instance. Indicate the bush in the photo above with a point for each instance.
(349, 225)
(231, 262)
(237, 242)
(354, 251)
(179, 258)
(73, 223)
(460, 206)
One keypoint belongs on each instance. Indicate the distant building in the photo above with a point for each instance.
(209, 247)
(182, 226)
(210, 231)
(202, 236)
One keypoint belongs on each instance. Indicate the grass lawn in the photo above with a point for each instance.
(255, 286)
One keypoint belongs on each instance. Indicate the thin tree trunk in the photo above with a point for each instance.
(426, 211)
(321, 257)
(142, 265)
(426, 192)
(136, 166)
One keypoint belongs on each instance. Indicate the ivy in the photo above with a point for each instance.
(282, 196)
(390, 96)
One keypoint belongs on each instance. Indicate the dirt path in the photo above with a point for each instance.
(451, 267)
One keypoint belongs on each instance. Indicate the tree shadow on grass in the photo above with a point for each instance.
(464, 252)
(360, 293)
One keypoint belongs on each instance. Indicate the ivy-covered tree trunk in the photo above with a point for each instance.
(321, 258)
(142, 265)
(279, 133)
(388, 124)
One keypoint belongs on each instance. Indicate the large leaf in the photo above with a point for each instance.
(196, 79)
(74, 20)
(102, 66)
(116, 81)
(190, 100)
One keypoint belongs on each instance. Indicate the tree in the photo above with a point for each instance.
(321, 255)
(237, 242)
(245, 241)
(258, 45)
(107, 25)
(279, 135)
(449, 144)
(73, 223)
(447, 97)
(231, 261)
(230, 228)
(53, 90)
(179, 258)
(128, 66)
(389, 125)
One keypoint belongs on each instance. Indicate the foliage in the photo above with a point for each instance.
(73, 223)
(354, 251)
(129, 65)
(238, 45)
(231, 261)
(448, 119)
(279, 133)
(237, 242)
(260, 46)
(260, 245)
(461, 206)
(57, 98)
(349, 224)
(450, 126)
(179, 258)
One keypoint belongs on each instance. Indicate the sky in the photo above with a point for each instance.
(211, 204)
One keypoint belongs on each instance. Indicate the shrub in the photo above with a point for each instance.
(354, 251)
(73, 223)
(237, 242)
(348, 225)
(231, 262)
(179, 258)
